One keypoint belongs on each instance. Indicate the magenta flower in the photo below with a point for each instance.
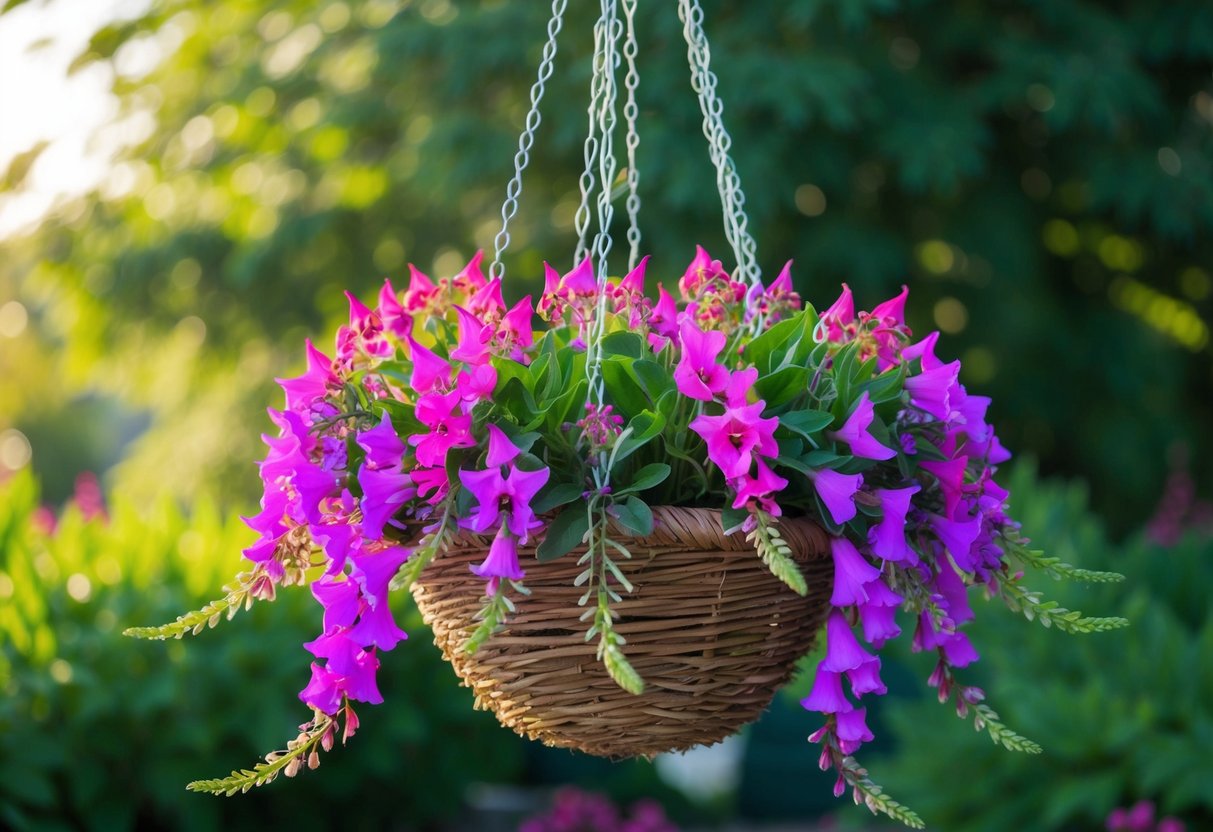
(580, 282)
(383, 447)
(448, 428)
(373, 571)
(391, 314)
(924, 349)
(827, 696)
(516, 331)
(377, 628)
(633, 282)
(302, 392)
(957, 650)
(735, 436)
(471, 279)
(838, 320)
(430, 371)
(837, 491)
(951, 476)
(503, 499)
(842, 648)
(892, 313)
(501, 562)
(488, 302)
(888, 537)
(951, 586)
(697, 375)
(852, 730)
(421, 290)
(340, 600)
(324, 691)
(701, 271)
(937, 391)
(958, 536)
(759, 489)
(851, 574)
(478, 385)
(855, 432)
(474, 337)
(879, 623)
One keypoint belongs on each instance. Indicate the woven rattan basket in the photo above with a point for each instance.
(712, 632)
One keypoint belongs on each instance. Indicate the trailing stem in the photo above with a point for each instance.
(434, 543)
(240, 595)
(775, 552)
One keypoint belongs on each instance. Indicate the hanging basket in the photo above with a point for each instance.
(710, 630)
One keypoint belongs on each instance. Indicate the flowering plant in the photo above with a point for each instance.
(445, 409)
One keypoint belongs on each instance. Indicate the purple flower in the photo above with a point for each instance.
(374, 571)
(879, 624)
(501, 562)
(865, 678)
(340, 600)
(837, 491)
(503, 498)
(323, 692)
(888, 537)
(937, 391)
(383, 447)
(855, 432)
(951, 476)
(958, 536)
(384, 491)
(957, 650)
(851, 574)
(853, 727)
(951, 586)
(377, 628)
(842, 648)
(924, 349)
(697, 375)
(826, 696)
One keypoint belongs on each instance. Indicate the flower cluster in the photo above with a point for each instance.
(446, 411)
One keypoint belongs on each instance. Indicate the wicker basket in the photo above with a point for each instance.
(712, 632)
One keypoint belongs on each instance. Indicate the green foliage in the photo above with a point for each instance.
(98, 731)
(776, 553)
(1121, 716)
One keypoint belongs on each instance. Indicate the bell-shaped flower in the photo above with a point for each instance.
(837, 492)
(340, 600)
(951, 476)
(323, 691)
(888, 537)
(735, 436)
(377, 628)
(937, 391)
(522, 486)
(925, 350)
(958, 537)
(384, 492)
(374, 570)
(354, 666)
(851, 574)
(697, 375)
(855, 432)
(474, 337)
(879, 623)
(852, 730)
(827, 696)
(948, 583)
(430, 371)
(842, 648)
(302, 392)
(488, 487)
(958, 651)
(383, 447)
(501, 562)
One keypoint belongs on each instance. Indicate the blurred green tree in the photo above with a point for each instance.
(1040, 173)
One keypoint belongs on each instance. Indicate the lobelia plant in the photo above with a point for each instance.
(447, 413)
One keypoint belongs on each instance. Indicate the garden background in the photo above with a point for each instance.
(1039, 173)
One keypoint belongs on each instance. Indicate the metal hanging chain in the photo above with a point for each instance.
(581, 220)
(526, 139)
(732, 199)
(606, 59)
(630, 112)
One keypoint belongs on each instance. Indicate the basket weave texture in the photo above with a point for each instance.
(708, 627)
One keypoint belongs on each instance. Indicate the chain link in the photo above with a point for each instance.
(728, 182)
(585, 212)
(630, 112)
(526, 139)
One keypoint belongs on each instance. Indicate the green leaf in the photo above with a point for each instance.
(768, 349)
(622, 388)
(645, 427)
(621, 670)
(627, 344)
(556, 495)
(731, 519)
(782, 386)
(655, 378)
(806, 422)
(563, 534)
(635, 515)
(647, 477)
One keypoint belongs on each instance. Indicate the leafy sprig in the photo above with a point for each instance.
(433, 544)
(301, 751)
(986, 718)
(1051, 614)
(874, 797)
(491, 616)
(239, 596)
(776, 553)
(1059, 570)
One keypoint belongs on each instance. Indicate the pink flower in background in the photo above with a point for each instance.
(395, 318)
(431, 372)
(839, 319)
(302, 392)
(474, 337)
(420, 293)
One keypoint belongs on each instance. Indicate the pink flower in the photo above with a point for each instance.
(474, 336)
(838, 320)
(837, 491)
(478, 385)
(421, 290)
(855, 432)
(892, 313)
(958, 536)
(888, 537)
(853, 728)
(384, 492)
(302, 392)
(430, 371)
(580, 282)
(516, 331)
(471, 279)
(759, 489)
(633, 282)
(448, 429)
(701, 271)
(697, 375)
(394, 317)
(924, 349)
(851, 574)
(735, 436)
(503, 499)
(339, 599)
(487, 302)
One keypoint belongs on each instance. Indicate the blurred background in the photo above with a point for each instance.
(186, 188)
